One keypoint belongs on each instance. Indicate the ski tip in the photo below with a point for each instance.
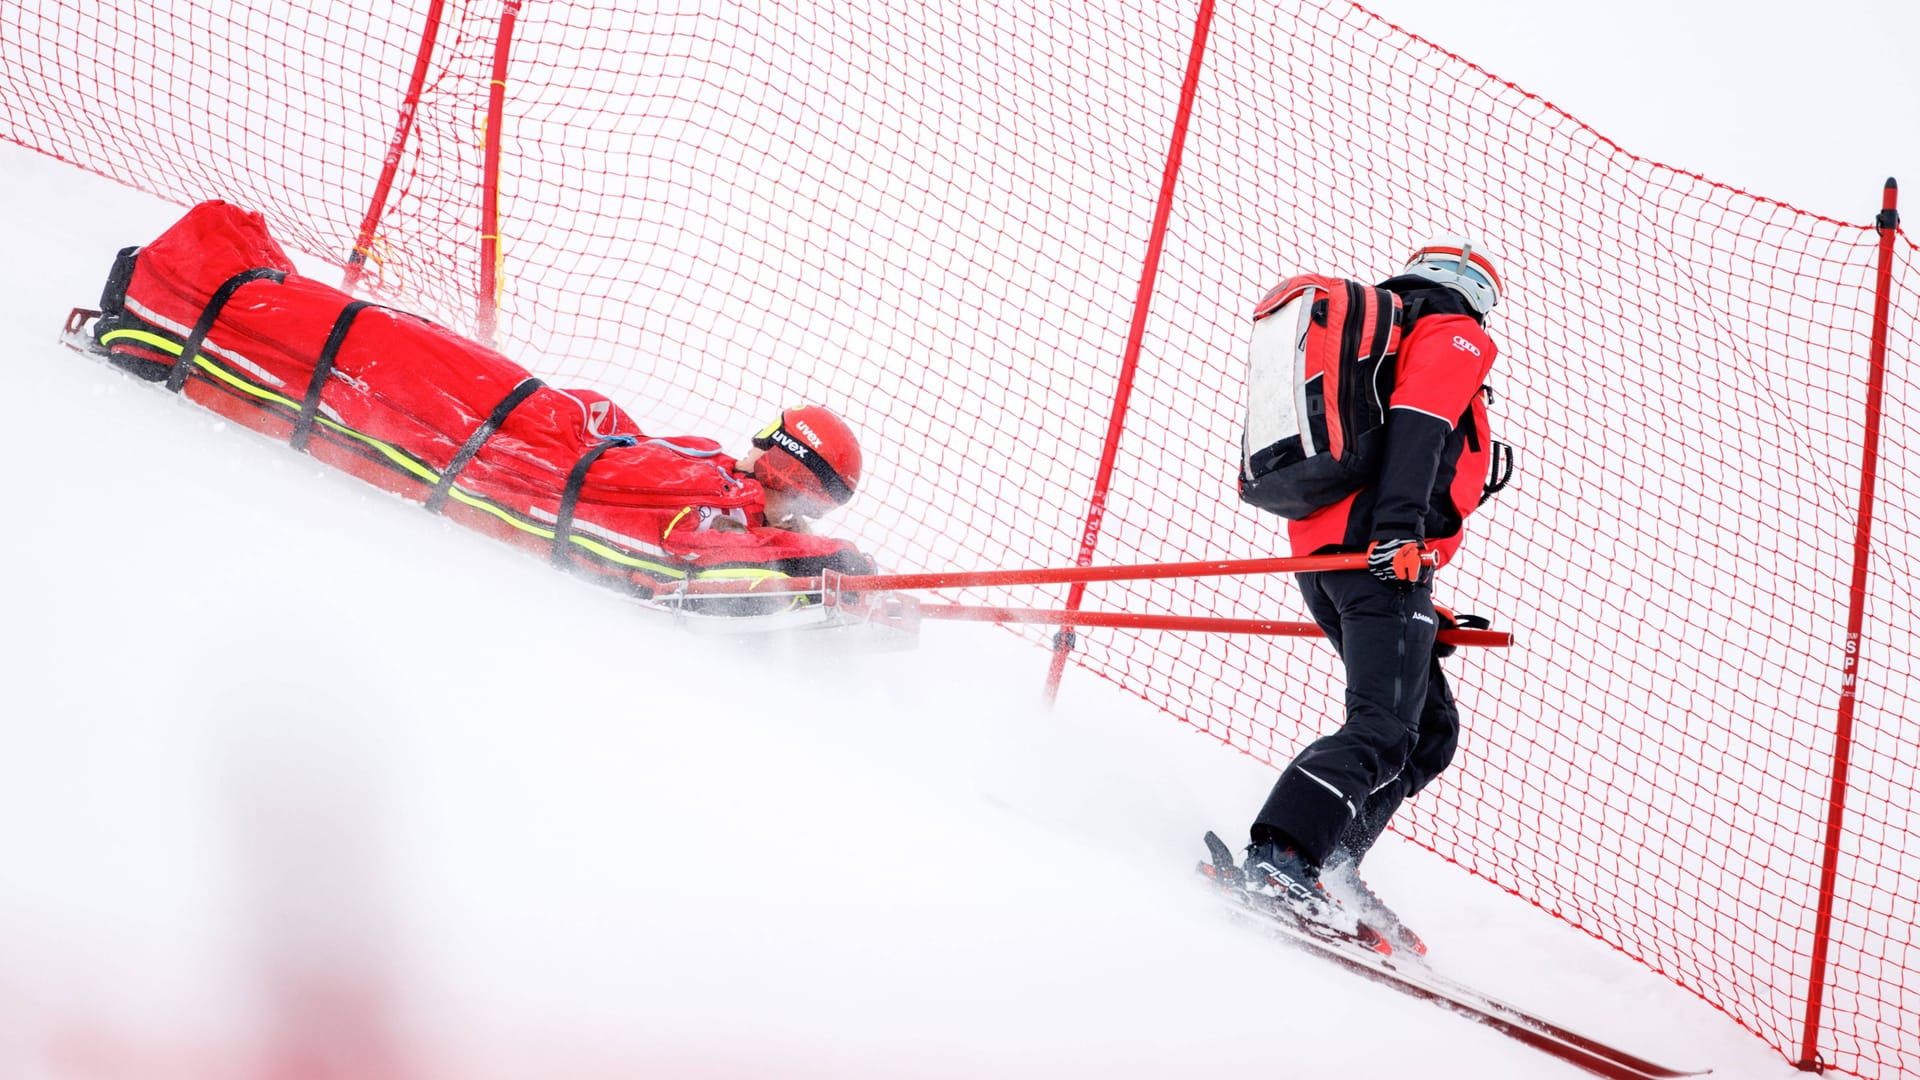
(1218, 849)
(1220, 865)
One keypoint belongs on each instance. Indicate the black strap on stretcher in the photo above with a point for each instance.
(463, 456)
(183, 367)
(570, 498)
(322, 371)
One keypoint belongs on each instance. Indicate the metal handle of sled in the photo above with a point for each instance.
(1062, 575)
(1205, 624)
(903, 611)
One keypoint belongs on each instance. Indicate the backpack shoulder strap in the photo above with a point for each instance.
(1410, 312)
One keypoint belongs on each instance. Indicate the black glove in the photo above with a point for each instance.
(1398, 561)
(854, 563)
(1449, 621)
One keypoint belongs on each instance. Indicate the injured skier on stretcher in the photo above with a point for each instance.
(412, 407)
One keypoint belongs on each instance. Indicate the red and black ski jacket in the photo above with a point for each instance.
(406, 404)
(1438, 450)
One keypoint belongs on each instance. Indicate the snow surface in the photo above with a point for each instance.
(297, 780)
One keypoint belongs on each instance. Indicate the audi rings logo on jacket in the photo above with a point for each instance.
(1465, 346)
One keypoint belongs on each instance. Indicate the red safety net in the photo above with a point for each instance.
(936, 216)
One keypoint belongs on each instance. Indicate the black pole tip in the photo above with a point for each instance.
(1892, 184)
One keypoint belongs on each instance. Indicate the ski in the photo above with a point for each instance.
(1362, 954)
(1222, 868)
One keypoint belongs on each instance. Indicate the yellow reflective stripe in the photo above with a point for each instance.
(402, 459)
(200, 362)
(739, 573)
(399, 457)
(616, 555)
(144, 338)
(753, 573)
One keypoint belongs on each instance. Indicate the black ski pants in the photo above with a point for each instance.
(1401, 727)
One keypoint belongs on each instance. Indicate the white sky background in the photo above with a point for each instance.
(1813, 105)
(290, 768)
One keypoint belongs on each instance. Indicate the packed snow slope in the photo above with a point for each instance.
(298, 780)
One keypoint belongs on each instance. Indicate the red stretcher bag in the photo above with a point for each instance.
(406, 404)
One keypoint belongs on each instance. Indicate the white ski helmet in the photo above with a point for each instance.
(1460, 264)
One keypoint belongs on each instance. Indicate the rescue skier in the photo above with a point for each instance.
(1335, 798)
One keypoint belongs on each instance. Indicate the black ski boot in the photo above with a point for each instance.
(1280, 872)
(1343, 882)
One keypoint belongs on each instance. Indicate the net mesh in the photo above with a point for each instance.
(935, 216)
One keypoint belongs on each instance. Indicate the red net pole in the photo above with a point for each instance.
(402, 129)
(1136, 333)
(1888, 223)
(490, 183)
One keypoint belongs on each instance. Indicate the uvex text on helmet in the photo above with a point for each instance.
(811, 453)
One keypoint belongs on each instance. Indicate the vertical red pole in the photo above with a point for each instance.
(1130, 361)
(490, 181)
(357, 259)
(1888, 223)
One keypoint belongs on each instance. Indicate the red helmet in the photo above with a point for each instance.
(811, 453)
